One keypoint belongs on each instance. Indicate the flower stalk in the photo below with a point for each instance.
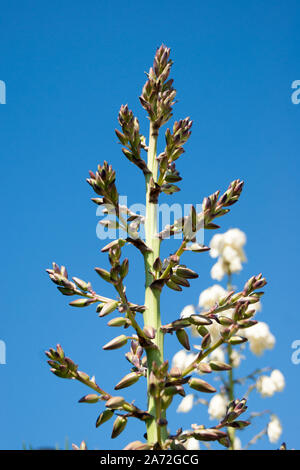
(146, 341)
(152, 295)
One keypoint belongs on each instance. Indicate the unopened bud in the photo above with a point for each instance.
(115, 402)
(108, 308)
(206, 341)
(103, 417)
(119, 321)
(116, 343)
(81, 302)
(91, 398)
(201, 385)
(183, 338)
(128, 380)
(199, 320)
(237, 340)
(119, 426)
(149, 331)
(219, 366)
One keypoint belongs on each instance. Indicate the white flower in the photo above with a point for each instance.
(278, 379)
(209, 297)
(265, 386)
(235, 238)
(187, 311)
(237, 445)
(216, 245)
(186, 404)
(192, 444)
(217, 407)
(260, 338)
(228, 247)
(217, 271)
(274, 429)
(182, 359)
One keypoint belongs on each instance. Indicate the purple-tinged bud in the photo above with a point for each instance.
(119, 321)
(115, 403)
(206, 341)
(104, 274)
(204, 368)
(201, 385)
(60, 351)
(239, 424)
(219, 366)
(149, 331)
(116, 343)
(81, 302)
(209, 434)
(108, 308)
(90, 398)
(83, 376)
(175, 372)
(247, 323)
(128, 380)
(200, 320)
(81, 284)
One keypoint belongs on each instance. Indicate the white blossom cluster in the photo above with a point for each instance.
(274, 429)
(228, 248)
(268, 385)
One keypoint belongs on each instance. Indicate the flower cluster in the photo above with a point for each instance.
(268, 385)
(228, 248)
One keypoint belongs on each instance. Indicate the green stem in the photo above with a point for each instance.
(231, 431)
(191, 367)
(152, 296)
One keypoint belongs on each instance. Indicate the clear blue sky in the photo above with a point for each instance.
(68, 66)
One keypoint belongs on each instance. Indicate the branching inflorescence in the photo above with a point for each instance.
(146, 340)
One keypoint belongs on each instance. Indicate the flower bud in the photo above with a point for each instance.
(201, 385)
(237, 340)
(103, 417)
(115, 402)
(81, 302)
(199, 320)
(128, 380)
(149, 331)
(119, 426)
(202, 330)
(108, 308)
(116, 343)
(225, 321)
(206, 341)
(219, 366)
(103, 273)
(204, 368)
(90, 398)
(183, 338)
(81, 284)
(119, 321)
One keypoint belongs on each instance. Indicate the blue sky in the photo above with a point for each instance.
(68, 66)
